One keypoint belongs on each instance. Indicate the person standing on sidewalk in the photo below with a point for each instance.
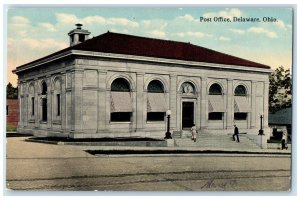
(194, 132)
(236, 133)
(283, 139)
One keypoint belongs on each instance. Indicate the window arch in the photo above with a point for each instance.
(155, 86)
(240, 90)
(215, 89)
(120, 85)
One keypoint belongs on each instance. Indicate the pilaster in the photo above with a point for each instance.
(102, 109)
(77, 83)
(49, 102)
(139, 101)
(173, 101)
(230, 103)
(204, 104)
(63, 101)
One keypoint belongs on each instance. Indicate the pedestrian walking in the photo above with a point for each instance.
(194, 132)
(236, 133)
(283, 140)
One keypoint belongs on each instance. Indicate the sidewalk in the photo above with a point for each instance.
(164, 150)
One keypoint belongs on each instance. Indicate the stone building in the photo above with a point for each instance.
(117, 85)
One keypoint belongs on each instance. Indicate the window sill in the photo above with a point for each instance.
(155, 122)
(43, 122)
(120, 122)
(31, 121)
(57, 122)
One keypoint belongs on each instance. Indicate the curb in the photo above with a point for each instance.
(167, 151)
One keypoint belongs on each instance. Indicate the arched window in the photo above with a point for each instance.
(44, 101)
(240, 91)
(156, 106)
(216, 106)
(44, 88)
(155, 86)
(241, 104)
(120, 85)
(31, 99)
(121, 104)
(57, 96)
(215, 89)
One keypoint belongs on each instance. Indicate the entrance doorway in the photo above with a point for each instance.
(187, 115)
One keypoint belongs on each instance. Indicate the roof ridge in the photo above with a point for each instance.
(144, 37)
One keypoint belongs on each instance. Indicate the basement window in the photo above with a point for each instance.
(240, 116)
(155, 116)
(120, 117)
(215, 116)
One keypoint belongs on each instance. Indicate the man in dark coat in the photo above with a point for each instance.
(236, 133)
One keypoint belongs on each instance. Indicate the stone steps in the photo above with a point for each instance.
(215, 141)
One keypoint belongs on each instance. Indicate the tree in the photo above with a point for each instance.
(11, 91)
(280, 90)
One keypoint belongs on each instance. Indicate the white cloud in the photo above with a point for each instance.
(259, 30)
(187, 17)
(10, 42)
(122, 22)
(228, 13)
(281, 24)
(158, 33)
(146, 23)
(48, 27)
(119, 31)
(93, 19)
(20, 20)
(222, 38)
(40, 44)
(192, 34)
(66, 18)
(238, 31)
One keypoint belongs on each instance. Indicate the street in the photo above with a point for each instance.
(46, 167)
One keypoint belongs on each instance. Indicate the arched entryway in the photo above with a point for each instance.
(188, 105)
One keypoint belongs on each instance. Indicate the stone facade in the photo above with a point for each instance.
(90, 90)
(83, 86)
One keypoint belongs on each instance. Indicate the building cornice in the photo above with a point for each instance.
(169, 61)
(140, 58)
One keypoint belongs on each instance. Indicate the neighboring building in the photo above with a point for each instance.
(281, 121)
(12, 112)
(117, 85)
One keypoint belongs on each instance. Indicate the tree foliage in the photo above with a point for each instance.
(280, 90)
(11, 91)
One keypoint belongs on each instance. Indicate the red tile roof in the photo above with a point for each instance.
(141, 46)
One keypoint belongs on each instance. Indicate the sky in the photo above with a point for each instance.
(34, 32)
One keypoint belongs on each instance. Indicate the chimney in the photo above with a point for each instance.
(78, 35)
